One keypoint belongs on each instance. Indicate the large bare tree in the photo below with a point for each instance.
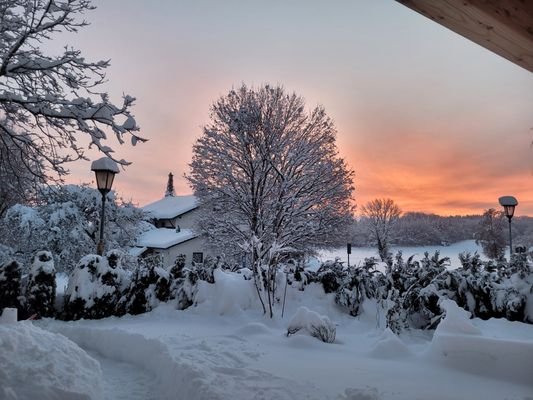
(382, 214)
(270, 180)
(47, 102)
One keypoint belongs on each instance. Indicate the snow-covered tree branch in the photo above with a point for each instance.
(48, 102)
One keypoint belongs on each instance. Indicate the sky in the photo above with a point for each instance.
(424, 116)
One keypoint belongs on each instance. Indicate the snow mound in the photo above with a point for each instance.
(312, 323)
(174, 373)
(230, 294)
(360, 394)
(37, 364)
(9, 316)
(253, 328)
(459, 344)
(457, 320)
(389, 346)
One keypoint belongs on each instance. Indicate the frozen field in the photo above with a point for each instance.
(360, 253)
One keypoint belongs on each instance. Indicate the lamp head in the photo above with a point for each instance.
(105, 170)
(508, 203)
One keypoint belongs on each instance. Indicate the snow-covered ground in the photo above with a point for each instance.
(224, 348)
(360, 253)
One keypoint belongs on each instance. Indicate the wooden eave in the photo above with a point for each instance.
(504, 27)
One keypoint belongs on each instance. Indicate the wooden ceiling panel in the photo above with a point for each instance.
(503, 26)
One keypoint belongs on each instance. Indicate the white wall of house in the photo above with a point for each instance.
(187, 220)
(196, 245)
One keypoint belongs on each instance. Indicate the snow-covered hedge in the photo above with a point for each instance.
(410, 291)
(95, 287)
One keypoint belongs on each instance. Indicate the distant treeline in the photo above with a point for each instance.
(420, 229)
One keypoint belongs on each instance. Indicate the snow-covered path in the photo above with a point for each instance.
(124, 381)
(246, 357)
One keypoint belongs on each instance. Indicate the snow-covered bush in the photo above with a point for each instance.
(419, 304)
(361, 283)
(186, 288)
(41, 287)
(410, 291)
(66, 222)
(485, 289)
(297, 276)
(95, 287)
(313, 324)
(205, 269)
(10, 285)
(150, 286)
(331, 275)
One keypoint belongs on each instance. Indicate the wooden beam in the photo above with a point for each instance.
(503, 26)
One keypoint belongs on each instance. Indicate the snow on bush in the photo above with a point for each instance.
(41, 288)
(331, 274)
(10, 285)
(150, 286)
(186, 288)
(184, 280)
(37, 364)
(358, 284)
(63, 222)
(312, 323)
(409, 291)
(95, 287)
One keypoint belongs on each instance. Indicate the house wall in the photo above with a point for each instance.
(188, 248)
(187, 220)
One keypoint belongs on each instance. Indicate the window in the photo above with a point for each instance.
(198, 258)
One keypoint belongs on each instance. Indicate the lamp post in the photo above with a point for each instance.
(509, 203)
(105, 170)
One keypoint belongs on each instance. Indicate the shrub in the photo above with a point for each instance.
(10, 285)
(41, 288)
(313, 324)
(95, 287)
(150, 286)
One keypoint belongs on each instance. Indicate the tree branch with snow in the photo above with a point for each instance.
(48, 102)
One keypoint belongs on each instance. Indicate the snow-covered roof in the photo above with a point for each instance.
(163, 238)
(171, 206)
(136, 251)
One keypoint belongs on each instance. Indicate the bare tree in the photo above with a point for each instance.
(47, 101)
(490, 235)
(270, 180)
(382, 214)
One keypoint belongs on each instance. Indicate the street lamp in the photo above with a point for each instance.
(509, 203)
(105, 170)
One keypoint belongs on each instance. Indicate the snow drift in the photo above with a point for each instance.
(459, 344)
(37, 364)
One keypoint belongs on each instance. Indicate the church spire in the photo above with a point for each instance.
(170, 192)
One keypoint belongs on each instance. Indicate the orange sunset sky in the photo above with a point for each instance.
(423, 115)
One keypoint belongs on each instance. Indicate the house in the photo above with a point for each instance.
(173, 218)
